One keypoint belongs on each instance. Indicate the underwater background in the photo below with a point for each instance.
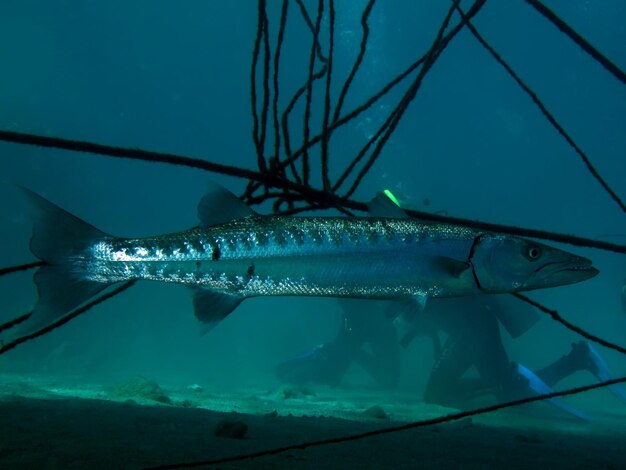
(175, 77)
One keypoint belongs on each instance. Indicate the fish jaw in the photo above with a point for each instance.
(571, 271)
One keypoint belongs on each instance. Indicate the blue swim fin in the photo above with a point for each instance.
(540, 388)
(598, 367)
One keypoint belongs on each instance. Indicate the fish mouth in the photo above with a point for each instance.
(558, 273)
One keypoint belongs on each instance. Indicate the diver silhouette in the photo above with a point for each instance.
(368, 337)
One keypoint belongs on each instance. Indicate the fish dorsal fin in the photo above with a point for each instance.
(212, 307)
(383, 206)
(219, 206)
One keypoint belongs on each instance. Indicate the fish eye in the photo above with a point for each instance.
(532, 252)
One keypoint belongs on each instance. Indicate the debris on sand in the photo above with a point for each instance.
(297, 392)
(142, 388)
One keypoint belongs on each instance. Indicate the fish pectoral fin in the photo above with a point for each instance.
(211, 307)
(219, 206)
(451, 266)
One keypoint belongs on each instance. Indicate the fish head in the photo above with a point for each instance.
(504, 263)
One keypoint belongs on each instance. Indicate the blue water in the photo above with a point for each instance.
(175, 77)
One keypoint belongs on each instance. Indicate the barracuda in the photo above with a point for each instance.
(235, 254)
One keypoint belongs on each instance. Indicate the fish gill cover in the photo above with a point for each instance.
(506, 116)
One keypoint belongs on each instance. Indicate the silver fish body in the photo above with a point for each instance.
(235, 254)
(318, 256)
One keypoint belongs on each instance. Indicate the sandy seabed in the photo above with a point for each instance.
(46, 424)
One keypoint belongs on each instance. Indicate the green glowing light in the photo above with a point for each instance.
(390, 195)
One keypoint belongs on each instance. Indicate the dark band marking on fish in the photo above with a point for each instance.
(279, 238)
(297, 235)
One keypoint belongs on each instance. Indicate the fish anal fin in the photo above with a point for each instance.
(211, 307)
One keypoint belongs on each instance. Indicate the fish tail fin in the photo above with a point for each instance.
(58, 238)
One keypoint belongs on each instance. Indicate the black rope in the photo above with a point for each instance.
(266, 93)
(356, 160)
(519, 231)
(322, 199)
(279, 46)
(549, 116)
(63, 320)
(384, 91)
(570, 326)
(403, 427)
(362, 108)
(357, 111)
(252, 186)
(325, 132)
(578, 39)
(11, 270)
(306, 167)
(14, 322)
(21, 267)
(290, 157)
(130, 153)
(277, 168)
(309, 23)
(258, 129)
(357, 62)
(312, 77)
(433, 54)
(271, 194)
